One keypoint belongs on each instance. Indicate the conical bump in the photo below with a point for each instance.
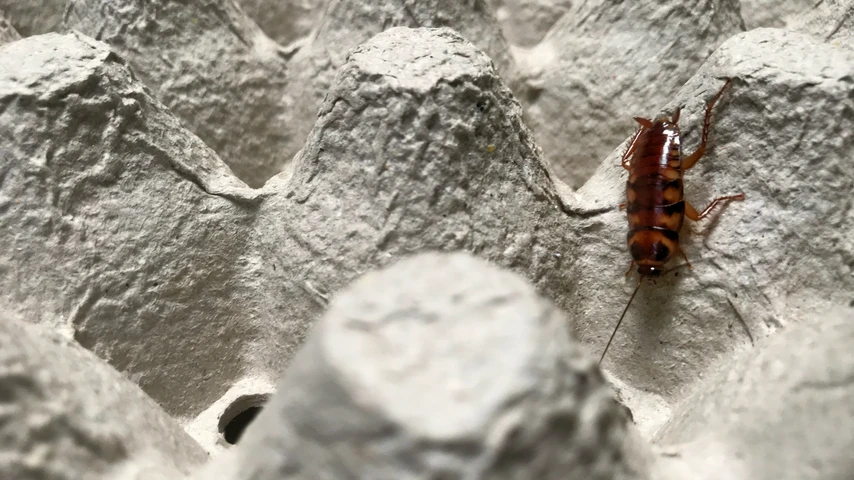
(419, 146)
(419, 128)
(441, 365)
(115, 223)
(65, 413)
(402, 74)
(408, 58)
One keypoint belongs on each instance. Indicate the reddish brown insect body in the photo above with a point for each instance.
(654, 200)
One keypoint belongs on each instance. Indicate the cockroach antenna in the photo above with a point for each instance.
(621, 319)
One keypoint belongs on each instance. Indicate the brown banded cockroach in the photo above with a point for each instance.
(655, 204)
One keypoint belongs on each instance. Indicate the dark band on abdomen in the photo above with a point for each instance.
(668, 233)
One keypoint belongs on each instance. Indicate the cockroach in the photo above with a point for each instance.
(655, 205)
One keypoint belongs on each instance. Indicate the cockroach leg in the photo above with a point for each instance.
(632, 145)
(691, 212)
(623, 205)
(692, 159)
(685, 257)
(676, 114)
(631, 265)
(707, 124)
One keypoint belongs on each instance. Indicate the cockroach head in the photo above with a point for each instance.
(650, 270)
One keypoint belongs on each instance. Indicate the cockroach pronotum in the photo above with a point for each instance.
(655, 204)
